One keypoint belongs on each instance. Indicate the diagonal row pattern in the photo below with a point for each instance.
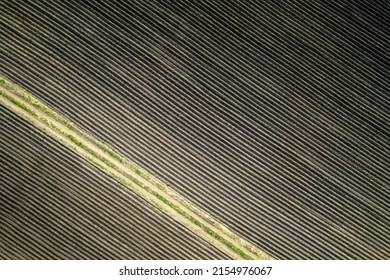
(282, 106)
(54, 205)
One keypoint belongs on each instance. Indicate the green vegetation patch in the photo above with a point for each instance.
(20, 105)
(111, 152)
(74, 140)
(96, 163)
(160, 186)
(106, 161)
(35, 102)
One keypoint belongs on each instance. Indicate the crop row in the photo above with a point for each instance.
(271, 116)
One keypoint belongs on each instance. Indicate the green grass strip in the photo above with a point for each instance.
(90, 151)
(96, 163)
(111, 153)
(20, 105)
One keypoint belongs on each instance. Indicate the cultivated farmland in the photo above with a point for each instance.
(129, 174)
(55, 205)
(272, 116)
